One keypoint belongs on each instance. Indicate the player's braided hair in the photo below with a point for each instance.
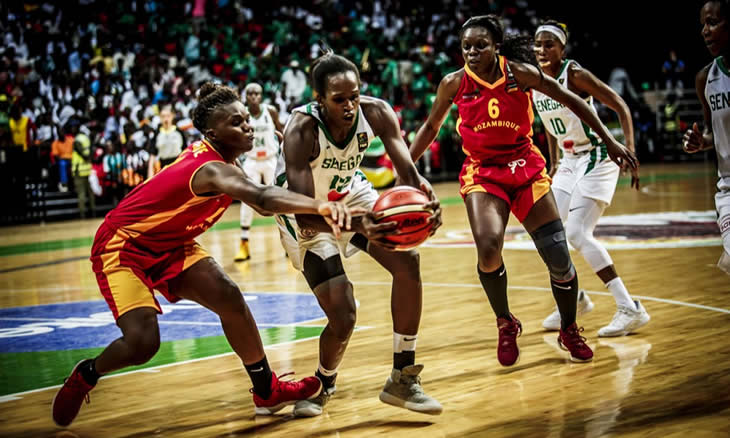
(724, 6)
(326, 65)
(513, 47)
(210, 97)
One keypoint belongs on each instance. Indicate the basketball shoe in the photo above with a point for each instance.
(570, 340)
(585, 305)
(625, 321)
(313, 407)
(243, 252)
(508, 353)
(403, 389)
(67, 402)
(285, 393)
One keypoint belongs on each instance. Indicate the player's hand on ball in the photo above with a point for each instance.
(338, 215)
(376, 232)
(434, 205)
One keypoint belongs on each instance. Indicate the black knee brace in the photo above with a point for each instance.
(553, 248)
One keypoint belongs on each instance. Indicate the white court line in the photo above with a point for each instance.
(595, 292)
(156, 369)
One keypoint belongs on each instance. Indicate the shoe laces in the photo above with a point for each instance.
(510, 328)
(573, 337)
(77, 385)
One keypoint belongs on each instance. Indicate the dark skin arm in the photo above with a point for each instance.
(218, 177)
(442, 104)
(583, 82)
(554, 152)
(528, 76)
(695, 140)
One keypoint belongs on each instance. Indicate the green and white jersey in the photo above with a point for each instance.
(717, 93)
(265, 143)
(573, 135)
(337, 165)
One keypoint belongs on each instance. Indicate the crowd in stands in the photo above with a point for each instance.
(95, 96)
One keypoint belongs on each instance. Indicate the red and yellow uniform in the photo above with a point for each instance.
(495, 124)
(148, 238)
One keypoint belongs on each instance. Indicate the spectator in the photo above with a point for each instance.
(673, 71)
(170, 141)
(295, 82)
(62, 152)
(81, 169)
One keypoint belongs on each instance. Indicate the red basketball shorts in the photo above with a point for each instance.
(128, 274)
(521, 183)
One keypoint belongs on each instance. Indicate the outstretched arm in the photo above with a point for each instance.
(528, 76)
(585, 81)
(444, 97)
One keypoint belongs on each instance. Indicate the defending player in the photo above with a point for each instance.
(585, 180)
(146, 243)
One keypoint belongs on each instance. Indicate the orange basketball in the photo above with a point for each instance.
(405, 205)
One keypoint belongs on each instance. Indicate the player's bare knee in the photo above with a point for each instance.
(489, 250)
(343, 323)
(143, 345)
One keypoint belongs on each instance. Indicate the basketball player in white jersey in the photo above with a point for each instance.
(324, 143)
(585, 179)
(259, 164)
(713, 89)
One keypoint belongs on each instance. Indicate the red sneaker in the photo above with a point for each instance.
(571, 340)
(68, 399)
(286, 393)
(508, 353)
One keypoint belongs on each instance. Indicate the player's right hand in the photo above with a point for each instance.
(376, 232)
(693, 141)
(338, 215)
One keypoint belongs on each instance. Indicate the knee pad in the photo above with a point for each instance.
(553, 248)
(317, 271)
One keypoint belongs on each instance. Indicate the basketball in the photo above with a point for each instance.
(405, 205)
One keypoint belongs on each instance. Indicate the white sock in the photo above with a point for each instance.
(620, 293)
(403, 343)
(244, 233)
(325, 372)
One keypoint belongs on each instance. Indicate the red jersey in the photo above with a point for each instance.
(163, 212)
(495, 120)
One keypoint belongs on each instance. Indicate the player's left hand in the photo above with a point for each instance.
(434, 205)
(339, 216)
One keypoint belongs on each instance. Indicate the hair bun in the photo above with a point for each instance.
(207, 89)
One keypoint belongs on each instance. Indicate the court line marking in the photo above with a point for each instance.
(156, 369)
(595, 292)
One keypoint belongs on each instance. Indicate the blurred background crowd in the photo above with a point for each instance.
(95, 96)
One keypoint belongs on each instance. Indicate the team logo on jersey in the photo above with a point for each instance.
(362, 141)
(679, 229)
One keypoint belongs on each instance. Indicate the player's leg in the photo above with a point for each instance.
(206, 283)
(135, 308)
(722, 203)
(582, 221)
(327, 279)
(544, 225)
(403, 387)
(585, 305)
(488, 215)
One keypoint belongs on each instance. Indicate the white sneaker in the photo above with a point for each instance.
(585, 305)
(625, 321)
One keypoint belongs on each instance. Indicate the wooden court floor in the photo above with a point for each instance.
(671, 379)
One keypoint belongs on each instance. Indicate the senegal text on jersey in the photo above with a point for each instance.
(548, 105)
(351, 163)
(719, 101)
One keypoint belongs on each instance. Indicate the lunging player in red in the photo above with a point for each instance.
(146, 243)
(505, 171)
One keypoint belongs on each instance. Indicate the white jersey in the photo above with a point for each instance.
(572, 134)
(335, 166)
(265, 142)
(717, 93)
